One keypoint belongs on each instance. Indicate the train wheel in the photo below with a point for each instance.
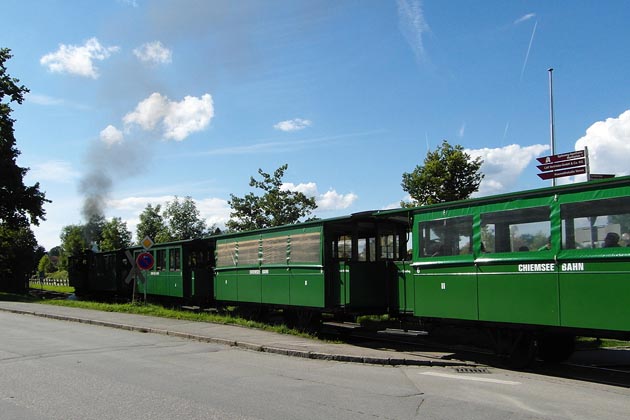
(303, 319)
(517, 348)
(556, 348)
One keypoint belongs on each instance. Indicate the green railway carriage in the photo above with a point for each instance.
(181, 270)
(545, 263)
(334, 265)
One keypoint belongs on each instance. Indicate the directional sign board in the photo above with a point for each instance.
(565, 164)
(145, 261)
(562, 157)
(562, 165)
(565, 172)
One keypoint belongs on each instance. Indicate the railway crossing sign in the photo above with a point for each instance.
(135, 270)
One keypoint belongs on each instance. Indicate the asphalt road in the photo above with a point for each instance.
(53, 369)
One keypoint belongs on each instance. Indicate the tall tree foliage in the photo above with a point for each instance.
(448, 174)
(276, 207)
(151, 224)
(73, 240)
(115, 235)
(20, 205)
(183, 221)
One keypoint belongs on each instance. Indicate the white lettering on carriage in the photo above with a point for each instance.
(572, 267)
(536, 267)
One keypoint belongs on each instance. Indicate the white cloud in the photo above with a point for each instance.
(608, 145)
(111, 135)
(178, 119)
(54, 170)
(188, 116)
(154, 53)
(148, 112)
(293, 125)
(413, 25)
(216, 211)
(330, 200)
(77, 60)
(503, 166)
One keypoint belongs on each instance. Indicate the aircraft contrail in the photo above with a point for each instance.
(531, 41)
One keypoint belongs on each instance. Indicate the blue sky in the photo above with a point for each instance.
(138, 101)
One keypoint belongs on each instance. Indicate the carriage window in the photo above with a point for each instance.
(367, 249)
(446, 237)
(596, 224)
(527, 229)
(160, 260)
(389, 248)
(305, 247)
(174, 259)
(226, 254)
(248, 252)
(343, 247)
(275, 250)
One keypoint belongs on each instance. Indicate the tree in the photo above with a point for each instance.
(45, 265)
(151, 224)
(20, 205)
(115, 235)
(448, 174)
(276, 207)
(183, 221)
(73, 240)
(18, 253)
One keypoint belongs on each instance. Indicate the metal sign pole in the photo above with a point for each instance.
(588, 167)
(551, 123)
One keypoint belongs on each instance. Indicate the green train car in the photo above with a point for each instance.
(536, 268)
(182, 271)
(339, 265)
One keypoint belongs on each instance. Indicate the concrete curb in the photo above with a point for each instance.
(388, 361)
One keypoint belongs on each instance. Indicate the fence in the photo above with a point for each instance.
(35, 282)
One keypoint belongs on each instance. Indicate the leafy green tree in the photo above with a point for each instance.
(18, 252)
(448, 174)
(151, 224)
(20, 205)
(46, 265)
(73, 240)
(276, 207)
(115, 235)
(183, 221)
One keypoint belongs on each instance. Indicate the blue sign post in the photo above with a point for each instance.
(145, 261)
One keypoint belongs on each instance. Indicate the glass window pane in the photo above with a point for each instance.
(596, 224)
(446, 237)
(526, 229)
